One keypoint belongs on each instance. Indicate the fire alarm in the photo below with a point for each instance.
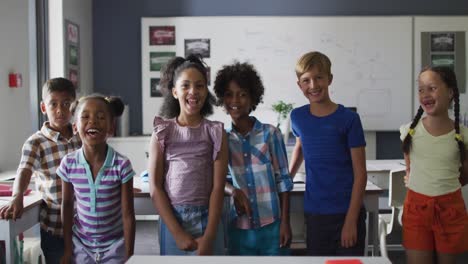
(14, 80)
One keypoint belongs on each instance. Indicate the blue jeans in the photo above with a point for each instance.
(193, 220)
(52, 247)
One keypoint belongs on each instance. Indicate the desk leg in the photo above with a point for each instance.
(5, 234)
(9, 254)
(372, 204)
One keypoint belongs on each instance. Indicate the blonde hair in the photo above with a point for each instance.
(313, 59)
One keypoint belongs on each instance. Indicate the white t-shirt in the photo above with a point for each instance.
(434, 161)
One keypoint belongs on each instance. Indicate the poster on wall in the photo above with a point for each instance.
(447, 49)
(208, 75)
(155, 88)
(197, 46)
(162, 35)
(443, 60)
(443, 42)
(72, 53)
(159, 59)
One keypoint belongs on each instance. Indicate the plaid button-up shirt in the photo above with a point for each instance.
(258, 165)
(42, 153)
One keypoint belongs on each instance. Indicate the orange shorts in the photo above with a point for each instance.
(437, 223)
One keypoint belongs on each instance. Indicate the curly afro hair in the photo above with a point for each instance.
(245, 75)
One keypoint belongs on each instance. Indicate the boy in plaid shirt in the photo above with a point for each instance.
(258, 179)
(41, 155)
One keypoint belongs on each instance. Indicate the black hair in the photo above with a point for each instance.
(115, 104)
(169, 74)
(449, 78)
(244, 75)
(58, 85)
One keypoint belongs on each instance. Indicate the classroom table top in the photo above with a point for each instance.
(298, 188)
(32, 199)
(257, 260)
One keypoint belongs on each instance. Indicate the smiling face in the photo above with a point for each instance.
(314, 85)
(94, 122)
(57, 107)
(434, 94)
(237, 101)
(191, 91)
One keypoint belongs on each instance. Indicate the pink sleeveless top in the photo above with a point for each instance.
(189, 155)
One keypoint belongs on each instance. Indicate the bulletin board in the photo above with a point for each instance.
(447, 26)
(372, 60)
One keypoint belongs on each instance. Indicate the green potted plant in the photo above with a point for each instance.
(283, 109)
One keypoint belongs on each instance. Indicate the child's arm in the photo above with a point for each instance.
(349, 231)
(284, 184)
(14, 209)
(128, 214)
(285, 227)
(67, 220)
(407, 165)
(464, 171)
(216, 199)
(241, 202)
(297, 157)
(159, 196)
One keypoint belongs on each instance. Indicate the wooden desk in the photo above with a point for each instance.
(239, 259)
(9, 229)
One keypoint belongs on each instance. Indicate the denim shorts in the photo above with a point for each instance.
(193, 220)
(263, 241)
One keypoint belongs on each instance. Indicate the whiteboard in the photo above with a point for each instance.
(371, 60)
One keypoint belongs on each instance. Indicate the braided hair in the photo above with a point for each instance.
(448, 77)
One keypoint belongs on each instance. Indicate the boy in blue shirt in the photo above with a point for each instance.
(330, 138)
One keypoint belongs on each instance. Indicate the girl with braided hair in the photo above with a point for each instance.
(435, 221)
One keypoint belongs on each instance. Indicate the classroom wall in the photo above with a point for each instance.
(18, 53)
(80, 12)
(15, 56)
(116, 30)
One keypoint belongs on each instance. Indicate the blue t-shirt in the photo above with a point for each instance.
(326, 145)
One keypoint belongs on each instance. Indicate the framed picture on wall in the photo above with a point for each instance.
(73, 76)
(443, 42)
(159, 59)
(446, 48)
(443, 60)
(72, 52)
(73, 55)
(162, 35)
(208, 75)
(155, 88)
(197, 46)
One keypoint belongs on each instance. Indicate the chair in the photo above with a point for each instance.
(396, 198)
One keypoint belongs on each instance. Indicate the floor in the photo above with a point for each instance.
(147, 244)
